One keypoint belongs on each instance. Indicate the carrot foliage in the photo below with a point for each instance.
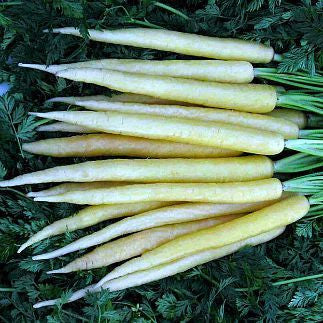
(252, 284)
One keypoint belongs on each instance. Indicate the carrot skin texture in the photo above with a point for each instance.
(168, 269)
(297, 117)
(64, 127)
(203, 70)
(205, 133)
(244, 119)
(269, 218)
(91, 216)
(114, 145)
(256, 98)
(237, 192)
(182, 43)
(136, 244)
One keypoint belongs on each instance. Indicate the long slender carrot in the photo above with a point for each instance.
(150, 219)
(183, 43)
(177, 170)
(258, 121)
(116, 145)
(64, 127)
(169, 269)
(204, 70)
(68, 187)
(269, 218)
(206, 133)
(136, 244)
(91, 216)
(258, 98)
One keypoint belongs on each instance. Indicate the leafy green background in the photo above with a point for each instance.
(249, 285)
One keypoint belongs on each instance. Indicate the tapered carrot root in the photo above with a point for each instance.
(136, 244)
(91, 216)
(183, 43)
(170, 170)
(168, 269)
(257, 98)
(205, 133)
(269, 218)
(115, 145)
(64, 127)
(297, 117)
(238, 192)
(68, 187)
(204, 70)
(244, 119)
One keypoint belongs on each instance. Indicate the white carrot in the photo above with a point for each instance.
(269, 218)
(258, 121)
(150, 219)
(116, 145)
(91, 216)
(171, 170)
(257, 98)
(183, 43)
(197, 132)
(136, 244)
(169, 269)
(204, 70)
(68, 187)
(64, 127)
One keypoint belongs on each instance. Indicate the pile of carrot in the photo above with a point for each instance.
(202, 185)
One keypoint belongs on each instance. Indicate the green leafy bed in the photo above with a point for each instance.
(254, 283)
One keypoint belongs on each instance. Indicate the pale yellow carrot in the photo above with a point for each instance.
(297, 117)
(237, 192)
(136, 244)
(168, 269)
(197, 132)
(116, 145)
(64, 127)
(269, 218)
(91, 216)
(183, 43)
(257, 98)
(171, 170)
(204, 70)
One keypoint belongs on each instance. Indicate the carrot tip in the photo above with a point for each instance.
(22, 247)
(56, 271)
(45, 303)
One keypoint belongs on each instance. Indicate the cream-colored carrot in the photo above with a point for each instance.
(197, 132)
(269, 218)
(257, 98)
(297, 117)
(204, 70)
(183, 43)
(136, 244)
(245, 119)
(167, 215)
(68, 187)
(168, 269)
(171, 170)
(116, 145)
(91, 216)
(64, 127)
(238, 192)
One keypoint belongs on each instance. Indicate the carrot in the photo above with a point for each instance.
(204, 70)
(136, 244)
(257, 98)
(91, 216)
(297, 117)
(182, 43)
(64, 127)
(171, 170)
(258, 121)
(116, 145)
(269, 218)
(150, 219)
(169, 269)
(196, 132)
